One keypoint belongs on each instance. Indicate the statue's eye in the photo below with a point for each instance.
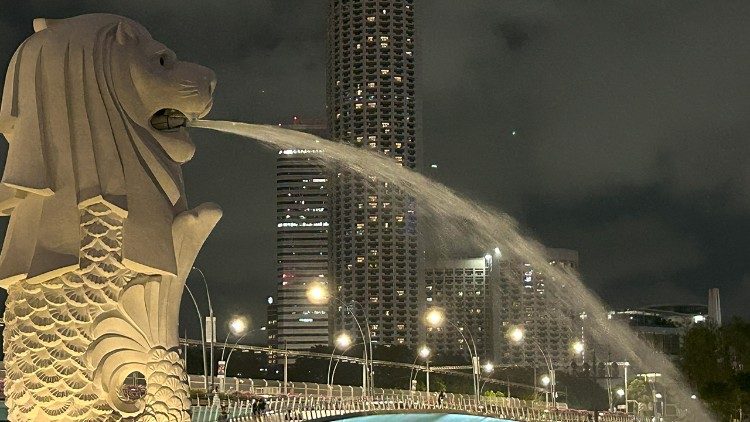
(161, 60)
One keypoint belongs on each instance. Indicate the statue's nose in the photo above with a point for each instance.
(209, 80)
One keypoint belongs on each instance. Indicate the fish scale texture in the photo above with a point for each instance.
(49, 329)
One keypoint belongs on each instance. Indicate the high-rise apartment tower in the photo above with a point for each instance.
(371, 105)
(523, 298)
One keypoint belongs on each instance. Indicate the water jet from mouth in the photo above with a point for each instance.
(485, 228)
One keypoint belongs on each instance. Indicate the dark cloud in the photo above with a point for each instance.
(630, 121)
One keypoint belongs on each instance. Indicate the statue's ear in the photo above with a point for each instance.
(43, 23)
(125, 33)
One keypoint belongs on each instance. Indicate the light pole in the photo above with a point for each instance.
(625, 365)
(212, 320)
(546, 380)
(517, 335)
(318, 295)
(343, 341)
(435, 318)
(488, 368)
(340, 356)
(238, 327)
(236, 343)
(424, 353)
(203, 340)
(621, 393)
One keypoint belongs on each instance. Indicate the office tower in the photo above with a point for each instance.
(714, 307)
(459, 288)
(523, 299)
(301, 244)
(371, 105)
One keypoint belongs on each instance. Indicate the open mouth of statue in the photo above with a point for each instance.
(168, 119)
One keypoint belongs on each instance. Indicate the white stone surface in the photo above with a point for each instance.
(100, 239)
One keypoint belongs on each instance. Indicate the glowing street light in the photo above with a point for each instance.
(238, 325)
(435, 317)
(516, 334)
(424, 352)
(545, 380)
(317, 293)
(343, 341)
(658, 395)
(620, 392)
(693, 397)
(489, 367)
(578, 347)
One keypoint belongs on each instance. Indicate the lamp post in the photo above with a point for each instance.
(203, 340)
(238, 327)
(236, 343)
(210, 320)
(343, 341)
(546, 380)
(340, 356)
(517, 335)
(424, 353)
(488, 368)
(318, 294)
(435, 318)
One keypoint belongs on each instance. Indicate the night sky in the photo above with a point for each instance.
(631, 123)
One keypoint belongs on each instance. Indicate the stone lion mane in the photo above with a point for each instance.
(71, 145)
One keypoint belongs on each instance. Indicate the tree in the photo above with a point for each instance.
(716, 361)
(639, 391)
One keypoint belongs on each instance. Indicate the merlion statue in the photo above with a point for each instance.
(100, 240)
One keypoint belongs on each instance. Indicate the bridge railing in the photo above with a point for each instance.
(244, 388)
(300, 408)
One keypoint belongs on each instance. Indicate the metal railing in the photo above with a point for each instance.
(260, 400)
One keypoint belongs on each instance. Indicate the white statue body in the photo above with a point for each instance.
(100, 241)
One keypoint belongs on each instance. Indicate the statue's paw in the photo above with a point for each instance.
(190, 229)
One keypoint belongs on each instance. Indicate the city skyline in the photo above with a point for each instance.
(691, 241)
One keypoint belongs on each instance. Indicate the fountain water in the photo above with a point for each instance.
(461, 218)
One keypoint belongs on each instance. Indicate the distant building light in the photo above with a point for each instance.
(699, 318)
(433, 166)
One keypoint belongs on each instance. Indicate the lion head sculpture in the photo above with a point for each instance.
(93, 109)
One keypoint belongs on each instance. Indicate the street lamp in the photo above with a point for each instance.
(488, 368)
(424, 352)
(342, 341)
(317, 294)
(210, 320)
(435, 318)
(238, 327)
(578, 347)
(234, 347)
(517, 335)
(545, 379)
